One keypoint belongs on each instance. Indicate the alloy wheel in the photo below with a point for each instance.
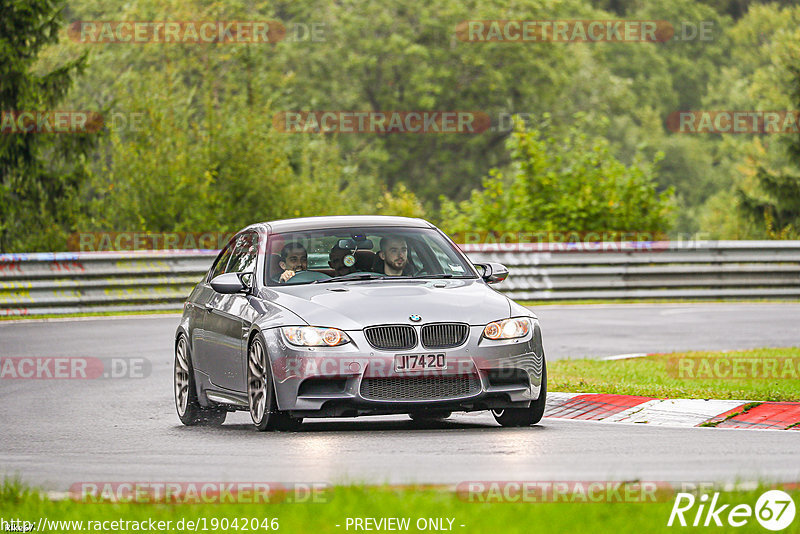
(256, 381)
(181, 376)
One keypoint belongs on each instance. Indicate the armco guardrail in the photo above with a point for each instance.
(663, 269)
(66, 282)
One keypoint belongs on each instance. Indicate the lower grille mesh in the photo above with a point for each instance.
(419, 387)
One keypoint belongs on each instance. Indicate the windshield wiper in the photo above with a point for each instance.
(421, 276)
(346, 277)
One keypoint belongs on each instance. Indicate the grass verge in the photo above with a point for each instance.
(345, 502)
(661, 375)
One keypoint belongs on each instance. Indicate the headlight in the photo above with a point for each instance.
(312, 336)
(508, 328)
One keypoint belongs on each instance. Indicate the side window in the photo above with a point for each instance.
(244, 255)
(222, 261)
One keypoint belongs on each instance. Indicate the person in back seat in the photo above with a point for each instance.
(336, 261)
(364, 260)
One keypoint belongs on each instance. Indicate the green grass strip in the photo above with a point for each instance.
(658, 375)
(350, 502)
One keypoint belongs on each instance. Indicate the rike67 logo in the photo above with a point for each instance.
(774, 510)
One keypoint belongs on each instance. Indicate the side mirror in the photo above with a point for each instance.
(492, 273)
(230, 283)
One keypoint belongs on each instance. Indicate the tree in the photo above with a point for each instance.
(764, 168)
(568, 183)
(776, 203)
(40, 173)
(380, 56)
(738, 8)
(207, 157)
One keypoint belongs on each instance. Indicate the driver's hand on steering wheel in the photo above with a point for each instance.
(286, 275)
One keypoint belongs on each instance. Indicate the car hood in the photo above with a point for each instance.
(354, 305)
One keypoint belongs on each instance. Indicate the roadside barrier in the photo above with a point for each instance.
(69, 282)
(660, 269)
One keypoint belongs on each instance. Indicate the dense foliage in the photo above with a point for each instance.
(191, 144)
(40, 175)
(563, 184)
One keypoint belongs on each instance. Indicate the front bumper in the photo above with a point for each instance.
(357, 379)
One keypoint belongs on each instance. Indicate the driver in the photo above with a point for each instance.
(294, 258)
(394, 253)
(336, 261)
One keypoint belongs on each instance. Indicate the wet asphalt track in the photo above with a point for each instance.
(58, 432)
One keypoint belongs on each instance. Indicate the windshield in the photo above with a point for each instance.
(359, 253)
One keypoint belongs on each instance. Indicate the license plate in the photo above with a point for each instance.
(419, 362)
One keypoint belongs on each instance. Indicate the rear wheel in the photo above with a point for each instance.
(261, 392)
(189, 409)
(525, 416)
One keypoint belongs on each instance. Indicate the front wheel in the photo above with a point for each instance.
(189, 409)
(261, 392)
(525, 416)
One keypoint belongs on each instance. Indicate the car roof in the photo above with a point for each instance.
(342, 221)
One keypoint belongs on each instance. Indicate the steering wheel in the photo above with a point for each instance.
(306, 276)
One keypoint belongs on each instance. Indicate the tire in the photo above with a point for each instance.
(190, 412)
(525, 416)
(261, 392)
(421, 417)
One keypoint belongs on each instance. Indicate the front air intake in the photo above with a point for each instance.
(420, 388)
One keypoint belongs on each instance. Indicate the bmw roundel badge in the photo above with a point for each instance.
(416, 318)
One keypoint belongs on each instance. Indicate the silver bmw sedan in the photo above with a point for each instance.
(354, 315)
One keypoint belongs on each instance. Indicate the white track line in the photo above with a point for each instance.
(626, 356)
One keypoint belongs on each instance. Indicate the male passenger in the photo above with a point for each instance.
(394, 253)
(294, 259)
